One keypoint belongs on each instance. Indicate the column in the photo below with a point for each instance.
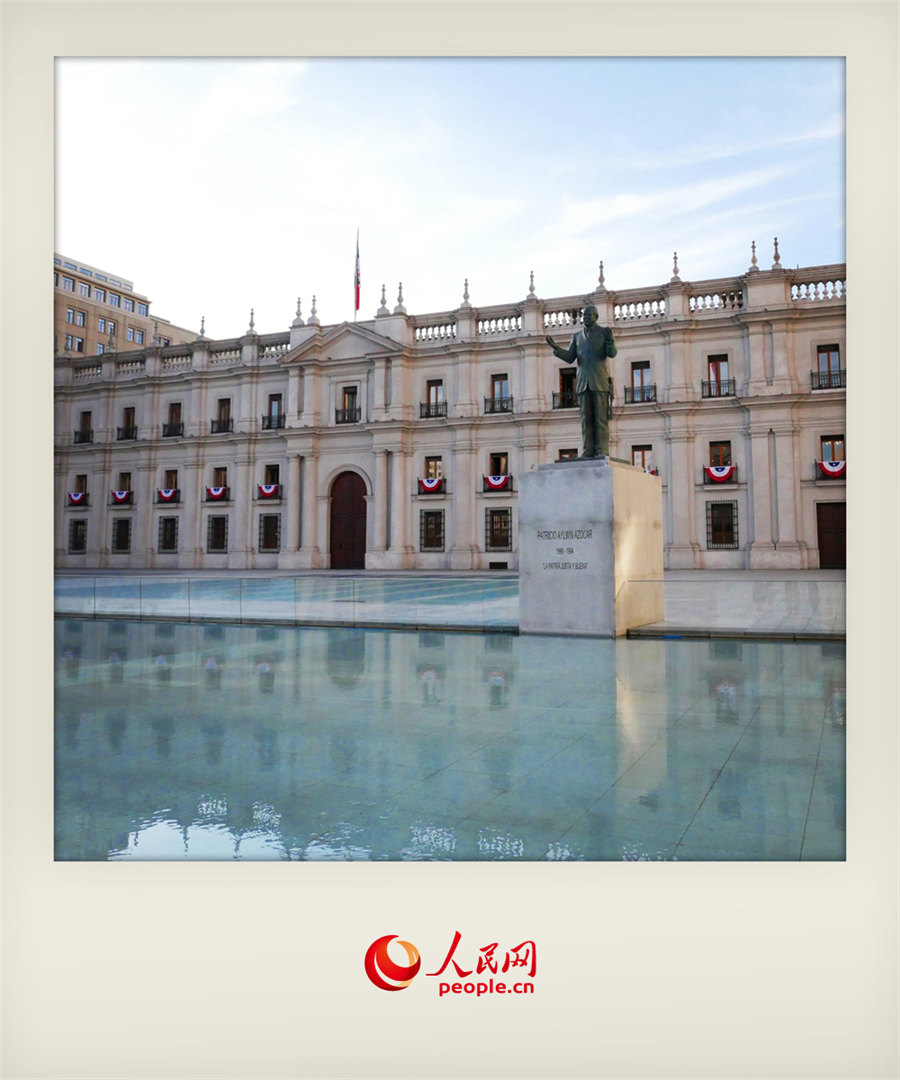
(309, 550)
(762, 545)
(381, 503)
(400, 550)
(679, 476)
(143, 542)
(240, 543)
(464, 553)
(292, 502)
(787, 487)
(192, 548)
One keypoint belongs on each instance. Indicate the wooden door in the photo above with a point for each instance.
(348, 522)
(831, 519)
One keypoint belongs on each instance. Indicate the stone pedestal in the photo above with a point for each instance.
(590, 549)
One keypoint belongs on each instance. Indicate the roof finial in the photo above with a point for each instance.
(601, 281)
(252, 323)
(465, 300)
(298, 318)
(777, 264)
(313, 319)
(531, 284)
(383, 310)
(400, 309)
(753, 267)
(675, 276)
(202, 326)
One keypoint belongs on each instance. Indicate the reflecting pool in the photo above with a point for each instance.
(212, 741)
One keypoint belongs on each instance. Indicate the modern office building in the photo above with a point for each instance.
(397, 442)
(95, 312)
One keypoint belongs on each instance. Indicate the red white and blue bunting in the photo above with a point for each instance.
(430, 485)
(833, 468)
(121, 496)
(166, 494)
(719, 473)
(76, 497)
(268, 491)
(216, 492)
(496, 483)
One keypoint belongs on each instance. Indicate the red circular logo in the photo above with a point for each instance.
(384, 972)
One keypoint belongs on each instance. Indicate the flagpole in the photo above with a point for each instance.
(356, 278)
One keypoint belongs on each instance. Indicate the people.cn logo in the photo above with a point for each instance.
(384, 972)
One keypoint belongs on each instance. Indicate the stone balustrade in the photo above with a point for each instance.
(625, 308)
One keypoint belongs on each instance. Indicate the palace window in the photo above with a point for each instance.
(77, 536)
(349, 412)
(124, 481)
(167, 539)
(128, 429)
(498, 529)
(81, 483)
(720, 453)
(642, 456)
(222, 422)
(721, 525)
(499, 465)
(828, 374)
(641, 388)
(499, 401)
(435, 404)
(216, 533)
(272, 474)
(121, 535)
(434, 468)
(274, 418)
(84, 289)
(431, 530)
(170, 479)
(270, 532)
(220, 476)
(566, 398)
(832, 448)
(174, 425)
(718, 383)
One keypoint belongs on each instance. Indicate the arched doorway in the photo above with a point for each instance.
(348, 522)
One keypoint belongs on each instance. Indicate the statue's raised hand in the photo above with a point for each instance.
(551, 342)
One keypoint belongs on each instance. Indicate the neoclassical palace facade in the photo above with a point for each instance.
(397, 442)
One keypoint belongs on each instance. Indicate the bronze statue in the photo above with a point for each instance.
(591, 347)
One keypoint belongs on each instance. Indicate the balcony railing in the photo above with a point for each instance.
(565, 399)
(221, 427)
(84, 436)
(123, 433)
(429, 410)
(712, 480)
(719, 388)
(635, 395)
(175, 497)
(827, 380)
(170, 430)
(272, 422)
(347, 416)
(498, 404)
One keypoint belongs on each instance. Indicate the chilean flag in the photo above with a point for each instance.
(719, 473)
(833, 468)
(356, 276)
(431, 484)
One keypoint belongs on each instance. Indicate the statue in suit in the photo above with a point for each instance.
(590, 348)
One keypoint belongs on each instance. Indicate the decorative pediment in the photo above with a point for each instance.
(344, 342)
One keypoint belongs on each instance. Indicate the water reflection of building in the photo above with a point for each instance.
(211, 754)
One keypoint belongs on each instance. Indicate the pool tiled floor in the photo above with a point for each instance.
(210, 741)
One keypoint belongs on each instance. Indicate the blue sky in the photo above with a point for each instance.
(218, 185)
